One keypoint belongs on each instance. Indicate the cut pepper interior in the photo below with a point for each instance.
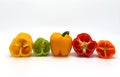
(21, 45)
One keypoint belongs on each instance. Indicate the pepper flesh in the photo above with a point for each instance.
(21, 45)
(61, 44)
(41, 47)
(84, 45)
(105, 49)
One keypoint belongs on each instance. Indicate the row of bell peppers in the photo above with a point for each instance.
(60, 44)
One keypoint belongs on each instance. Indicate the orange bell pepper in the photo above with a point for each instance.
(21, 45)
(61, 44)
(105, 49)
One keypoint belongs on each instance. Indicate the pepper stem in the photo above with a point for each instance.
(64, 33)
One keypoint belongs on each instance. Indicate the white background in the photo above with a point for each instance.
(99, 18)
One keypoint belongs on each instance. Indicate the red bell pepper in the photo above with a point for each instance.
(84, 45)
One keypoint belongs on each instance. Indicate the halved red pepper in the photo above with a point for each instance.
(84, 45)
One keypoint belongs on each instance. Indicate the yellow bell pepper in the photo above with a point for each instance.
(21, 45)
(61, 44)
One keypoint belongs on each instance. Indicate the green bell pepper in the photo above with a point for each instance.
(41, 47)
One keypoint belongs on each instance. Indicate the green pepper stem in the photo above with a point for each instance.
(64, 33)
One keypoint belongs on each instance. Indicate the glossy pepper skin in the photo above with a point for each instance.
(61, 44)
(41, 47)
(21, 45)
(84, 45)
(105, 49)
